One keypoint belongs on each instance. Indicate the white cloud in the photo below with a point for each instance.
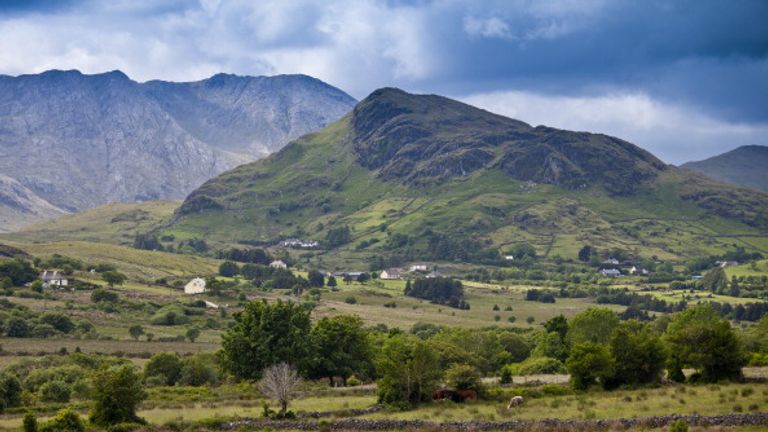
(676, 134)
(493, 27)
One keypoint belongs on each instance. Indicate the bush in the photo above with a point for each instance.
(679, 426)
(55, 391)
(66, 420)
(165, 365)
(29, 423)
(117, 393)
(103, 295)
(353, 381)
(59, 322)
(350, 300)
(589, 363)
(199, 370)
(10, 391)
(540, 365)
(463, 377)
(17, 328)
(43, 331)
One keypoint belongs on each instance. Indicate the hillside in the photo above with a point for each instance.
(427, 178)
(116, 223)
(744, 166)
(78, 141)
(20, 206)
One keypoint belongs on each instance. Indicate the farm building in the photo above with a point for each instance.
(610, 272)
(391, 274)
(278, 264)
(195, 286)
(54, 278)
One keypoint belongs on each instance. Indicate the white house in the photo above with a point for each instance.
(418, 267)
(211, 305)
(509, 257)
(54, 278)
(391, 274)
(611, 261)
(610, 272)
(278, 264)
(195, 286)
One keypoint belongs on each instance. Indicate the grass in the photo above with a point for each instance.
(116, 223)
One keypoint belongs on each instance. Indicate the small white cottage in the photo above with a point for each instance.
(195, 286)
(278, 264)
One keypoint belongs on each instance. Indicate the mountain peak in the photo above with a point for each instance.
(743, 166)
(424, 139)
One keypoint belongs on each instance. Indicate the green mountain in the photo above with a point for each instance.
(744, 166)
(423, 177)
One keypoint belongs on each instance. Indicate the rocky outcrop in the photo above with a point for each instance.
(20, 206)
(78, 141)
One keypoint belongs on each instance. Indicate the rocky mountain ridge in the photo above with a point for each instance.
(78, 141)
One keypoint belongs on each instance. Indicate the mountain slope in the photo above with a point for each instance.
(745, 166)
(19, 205)
(424, 177)
(79, 141)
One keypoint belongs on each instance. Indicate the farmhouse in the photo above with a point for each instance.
(53, 278)
(391, 274)
(610, 272)
(637, 270)
(611, 261)
(195, 286)
(418, 267)
(278, 264)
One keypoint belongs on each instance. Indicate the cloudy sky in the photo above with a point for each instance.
(683, 79)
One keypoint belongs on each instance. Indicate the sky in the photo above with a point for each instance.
(684, 79)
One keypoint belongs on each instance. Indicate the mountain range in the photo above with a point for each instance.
(70, 141)
(423, 177)
(744, 166)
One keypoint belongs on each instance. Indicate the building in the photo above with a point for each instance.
(509, 257)
(278, 264)
(611, 261)
(638, 270)
(195, 286)
(299, 243)
(211, 305)
(54, 278)
(610, 272)
(391, 274)
(697, 277)
(434, 275)
(418, 267)
(726, 264)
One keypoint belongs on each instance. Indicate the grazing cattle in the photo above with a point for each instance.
(454, 396)
(516, 401)
(466, 395)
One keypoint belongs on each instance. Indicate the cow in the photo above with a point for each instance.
(516, 401)
(467, 395)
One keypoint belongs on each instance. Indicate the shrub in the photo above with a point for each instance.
(29, 423)
(55, 391)
(166, 365)
(10, 391)
(59, 322)
(199, 370)
(117, 393)
(463, 377)
(350, 300)
(103, 295)
(353, 381)
(17, 328)
(540, 365)
(589, 363)
(43, 331)
(66, 420)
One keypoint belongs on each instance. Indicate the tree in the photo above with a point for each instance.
(316, 279)
(338, 236)
(17, 327)
(10, 391)
(36, 286)
(592, 325)
(229, 269)
(198, 370)
(551, 345)
(715, 280)
(136, 331)
(558, 324)
(700, 339)
(589, 363)
(363, 277)
(278, 384)
(113, 278)
(341, 348)
(166, 365)
(518, 348)
(463, 377)
(332, 281)
(193, 333)
(586, 253)
(66, 420)
(639, 352)
(409, 371)
(117, 393)
(266, 334)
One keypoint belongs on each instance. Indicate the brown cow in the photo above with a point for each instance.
(466, 395)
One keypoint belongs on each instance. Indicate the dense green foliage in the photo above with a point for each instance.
(117, 393)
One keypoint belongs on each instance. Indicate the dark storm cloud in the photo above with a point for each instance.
(695, 70)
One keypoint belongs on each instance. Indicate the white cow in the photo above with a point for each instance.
(516, 401)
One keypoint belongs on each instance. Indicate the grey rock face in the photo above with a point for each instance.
(78, 141)
(20, 206)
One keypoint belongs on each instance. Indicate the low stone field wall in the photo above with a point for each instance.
(543, 425)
